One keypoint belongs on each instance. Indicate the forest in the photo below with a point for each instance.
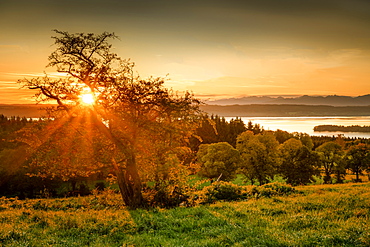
(218, 150)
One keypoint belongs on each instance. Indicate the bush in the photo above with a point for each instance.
(218, 191)
(279, 188)
(166, 196)
(317, 180)
(100, 186)
(226, 191)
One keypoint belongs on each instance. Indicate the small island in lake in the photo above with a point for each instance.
(340, 128)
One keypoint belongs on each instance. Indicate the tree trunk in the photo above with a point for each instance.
(73, 184)
(129, 181)
(357, 175)
(327, 178)
(130, 185)
(132, 178)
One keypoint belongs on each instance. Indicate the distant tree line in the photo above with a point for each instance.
(340, 128)
(214, 129)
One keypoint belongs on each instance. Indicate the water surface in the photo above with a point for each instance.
(306, 124)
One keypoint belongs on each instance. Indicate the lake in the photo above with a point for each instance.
(306, 124)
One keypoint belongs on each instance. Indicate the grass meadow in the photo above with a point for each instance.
(317, 215)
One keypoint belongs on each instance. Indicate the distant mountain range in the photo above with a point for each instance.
(332, 100)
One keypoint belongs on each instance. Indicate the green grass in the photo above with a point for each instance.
(322, 215)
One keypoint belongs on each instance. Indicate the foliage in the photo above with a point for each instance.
(168, 188)
(63, 150)
(218, 160)
(215, 129)
(13, 154)
(282, 136)
(259, 154)
(331, 155)
(220, 191)
(256, 128)
(227, 191)
(129, 112)
(298, 163)
(305, 139)
(275, 189)
(358, 159)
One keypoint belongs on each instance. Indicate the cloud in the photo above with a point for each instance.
(12, 93)
(212, 47)
(8, 85)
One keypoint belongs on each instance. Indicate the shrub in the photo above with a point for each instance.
(218, 191)
(317, 180)
(166, 196)
(100, 186)
(226, 191)
(276, 188)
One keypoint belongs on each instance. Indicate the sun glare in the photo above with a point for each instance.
(87, 98)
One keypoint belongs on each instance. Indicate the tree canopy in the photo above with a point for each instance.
(259, 154)
(218, 160)
(127, 110)
(298, 162)
(331, 155)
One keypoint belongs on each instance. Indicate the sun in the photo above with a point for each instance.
(87, 98)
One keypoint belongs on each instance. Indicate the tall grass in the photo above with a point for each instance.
(321, 215)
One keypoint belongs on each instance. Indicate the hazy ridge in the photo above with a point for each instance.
(332, 100)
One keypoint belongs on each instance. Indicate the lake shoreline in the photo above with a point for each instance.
(307, 124)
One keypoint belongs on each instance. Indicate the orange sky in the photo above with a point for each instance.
(217, 49)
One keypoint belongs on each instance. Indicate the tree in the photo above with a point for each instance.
(331, 158)
(358, 159)
(206, 133)
(256, 129)
(259, 155)
(236, 127)
(304, 138)
(298, 164)
(215, 129)
(218, 159)
(282, 136)
(127, 110)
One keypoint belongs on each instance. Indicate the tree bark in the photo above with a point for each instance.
(129, 181)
